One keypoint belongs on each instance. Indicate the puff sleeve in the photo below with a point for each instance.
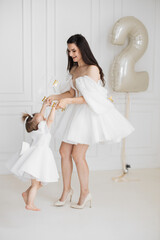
(94, 94)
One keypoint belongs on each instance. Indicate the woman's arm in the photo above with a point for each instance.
(75, 100)
(58, 97)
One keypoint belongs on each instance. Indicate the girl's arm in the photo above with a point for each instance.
(45, 104)
(51, 117)
(68, 94)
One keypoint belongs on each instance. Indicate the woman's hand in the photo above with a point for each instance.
(62, 104)
(51, 98)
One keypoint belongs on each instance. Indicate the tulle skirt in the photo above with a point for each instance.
(78, 124)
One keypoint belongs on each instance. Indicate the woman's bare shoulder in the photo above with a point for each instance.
(93, 72)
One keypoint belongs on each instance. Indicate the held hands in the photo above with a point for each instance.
(47, 102)
(62, 104)
(51, 98)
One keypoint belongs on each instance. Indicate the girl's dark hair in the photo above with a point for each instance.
(31, 125)
(86, 53)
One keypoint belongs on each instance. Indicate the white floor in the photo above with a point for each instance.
(120, 211)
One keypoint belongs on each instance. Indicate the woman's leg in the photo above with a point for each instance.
(67, 168)
(79, 156)
(32, 194)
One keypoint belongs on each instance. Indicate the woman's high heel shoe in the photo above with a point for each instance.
(62, 203)
(87, 199)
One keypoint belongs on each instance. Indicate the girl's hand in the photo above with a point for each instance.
(47, 102)
(62, 104)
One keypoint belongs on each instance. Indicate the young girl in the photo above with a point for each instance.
(36, 162)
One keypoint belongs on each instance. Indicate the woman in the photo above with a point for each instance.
(89, 118)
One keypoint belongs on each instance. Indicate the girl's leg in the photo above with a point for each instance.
(32, 194)
(25, 194)
(67, 167)
(79, 156)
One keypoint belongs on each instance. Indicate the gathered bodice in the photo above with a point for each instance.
(42, 136)
(70, 79)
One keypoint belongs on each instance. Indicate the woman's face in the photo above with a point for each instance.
(74, 52)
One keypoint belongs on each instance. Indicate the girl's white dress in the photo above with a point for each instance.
(96, 121)
(36, 161)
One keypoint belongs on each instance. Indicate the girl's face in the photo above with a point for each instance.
(74, 52)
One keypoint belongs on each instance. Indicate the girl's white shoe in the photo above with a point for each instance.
(62, 203)
(87, 199)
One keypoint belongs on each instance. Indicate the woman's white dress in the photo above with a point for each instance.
(36, 161)
(95, 121)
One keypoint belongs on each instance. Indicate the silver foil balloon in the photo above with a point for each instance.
(123, 77)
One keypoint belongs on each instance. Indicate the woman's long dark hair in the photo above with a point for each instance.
(86, 53)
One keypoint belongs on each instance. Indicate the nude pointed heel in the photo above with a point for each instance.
(62, 203)
(87, 199)
(71, 196)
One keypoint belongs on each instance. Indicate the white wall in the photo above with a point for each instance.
(33, 50)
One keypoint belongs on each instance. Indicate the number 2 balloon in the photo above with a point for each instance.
(123, 77)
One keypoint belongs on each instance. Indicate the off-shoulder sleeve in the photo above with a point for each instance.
(95, 95)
